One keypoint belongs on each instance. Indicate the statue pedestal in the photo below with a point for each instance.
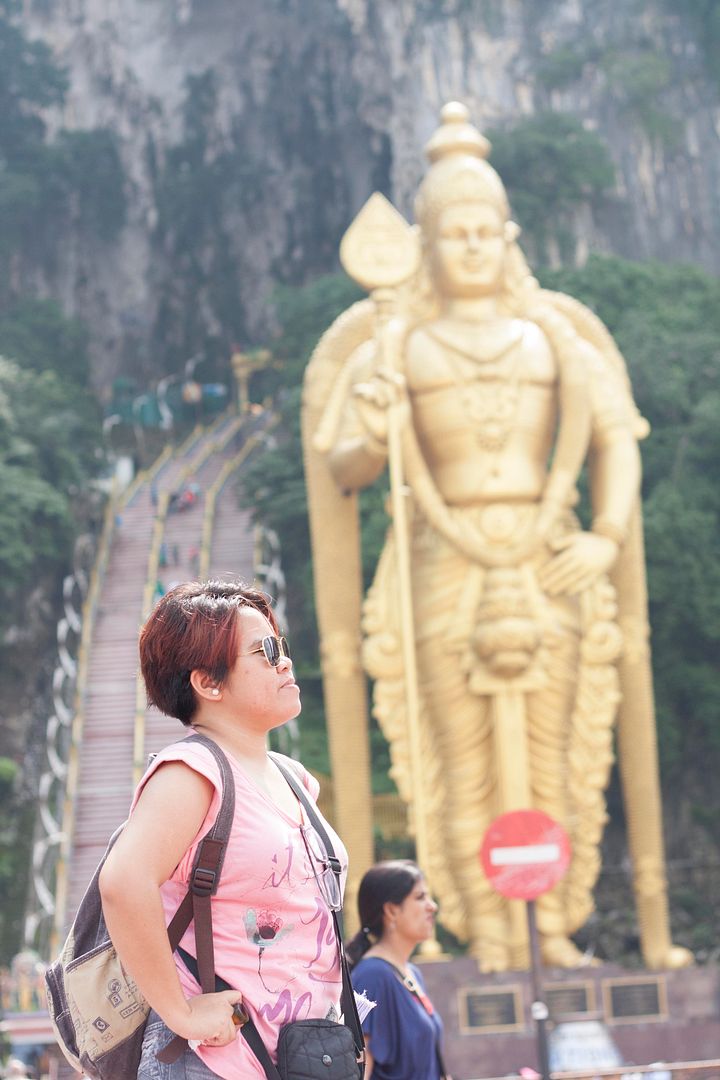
(651, 1016)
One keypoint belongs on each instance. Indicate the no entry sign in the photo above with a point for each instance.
(524, 854)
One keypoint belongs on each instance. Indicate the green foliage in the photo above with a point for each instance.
(198, 191)
(304, 313)
(273, 486)
(550, 164)
(638, 75)
(29, 80)
(666, 320)
(561, 68)
(37, 334)
(49, 439)
(487, 12)
(8, 774)
(79, 175)
(17, 817)
(704, 17)
(86, 173)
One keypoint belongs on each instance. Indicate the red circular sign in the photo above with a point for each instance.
(524, 853)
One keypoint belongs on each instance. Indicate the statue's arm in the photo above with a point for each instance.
(579, 557)
(615, 468)
(359, 452)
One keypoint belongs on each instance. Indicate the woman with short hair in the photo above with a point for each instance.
(211, 655)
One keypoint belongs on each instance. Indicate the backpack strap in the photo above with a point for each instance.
(249, 1031)
(347, 1000)
(204, 881)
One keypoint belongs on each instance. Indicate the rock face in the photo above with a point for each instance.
(315, 104)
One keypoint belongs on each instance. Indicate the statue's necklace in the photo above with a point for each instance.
(490, 399)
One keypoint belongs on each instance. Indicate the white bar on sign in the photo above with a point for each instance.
(525, 854)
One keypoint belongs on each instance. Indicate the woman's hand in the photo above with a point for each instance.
(209, 1019)
(581, 558)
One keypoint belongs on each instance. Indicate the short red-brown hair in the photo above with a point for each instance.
(193, 626)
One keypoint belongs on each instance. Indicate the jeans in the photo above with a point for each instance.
(187, 1067)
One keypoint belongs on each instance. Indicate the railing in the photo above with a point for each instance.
(659, 1070)
(151, 579)
(211, 498)
(63, 761)
(213, 446)
(148, 475)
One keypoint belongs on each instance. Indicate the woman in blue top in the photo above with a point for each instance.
(403, 1033)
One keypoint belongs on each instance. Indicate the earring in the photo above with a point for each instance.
(215, 691)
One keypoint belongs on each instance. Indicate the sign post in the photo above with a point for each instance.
(524, 854)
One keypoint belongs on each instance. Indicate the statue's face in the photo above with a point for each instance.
(468, 250)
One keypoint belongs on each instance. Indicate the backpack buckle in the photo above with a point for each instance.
(203, 882)
(335, 864)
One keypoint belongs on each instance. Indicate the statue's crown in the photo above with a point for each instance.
(456, 135)
(458, 171)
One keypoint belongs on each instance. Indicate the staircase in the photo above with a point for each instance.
(118, 730)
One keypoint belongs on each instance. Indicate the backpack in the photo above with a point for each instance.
(96, 1009)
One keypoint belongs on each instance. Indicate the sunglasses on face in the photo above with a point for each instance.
(273, 648)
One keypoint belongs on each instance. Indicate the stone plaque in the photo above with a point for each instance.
(490, 1010)
(632, 999)
(569, 998)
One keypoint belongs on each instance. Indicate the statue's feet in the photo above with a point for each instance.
(492, 956)
(559, 951)
(675, 956)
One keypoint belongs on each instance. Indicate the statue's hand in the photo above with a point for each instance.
(374, 398)
(581, 558)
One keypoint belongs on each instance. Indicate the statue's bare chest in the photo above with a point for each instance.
(511, 352)
(491, 384)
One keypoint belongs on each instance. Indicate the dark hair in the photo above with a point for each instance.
(193, 626)
(385, 882)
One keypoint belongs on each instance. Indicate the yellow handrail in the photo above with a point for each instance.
(212, 446)
(153, 565)
(89, 609)
(213, 491)
(145, 476)
(151, 579)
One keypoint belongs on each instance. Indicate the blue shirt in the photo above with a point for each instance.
(403, 1037)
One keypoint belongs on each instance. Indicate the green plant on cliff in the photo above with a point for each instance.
(49, 453)
(49, 421)
(638, 76)
(550, 164)
(50, 434)
(666, 320)
(704, 17)
(202, 183)
(45, 184)
(49, 439)
(560, 68)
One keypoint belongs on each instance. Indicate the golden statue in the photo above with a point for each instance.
(503, 638)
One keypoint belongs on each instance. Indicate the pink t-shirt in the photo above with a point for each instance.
(273, 933)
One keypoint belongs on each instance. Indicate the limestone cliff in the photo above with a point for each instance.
(314, 104)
